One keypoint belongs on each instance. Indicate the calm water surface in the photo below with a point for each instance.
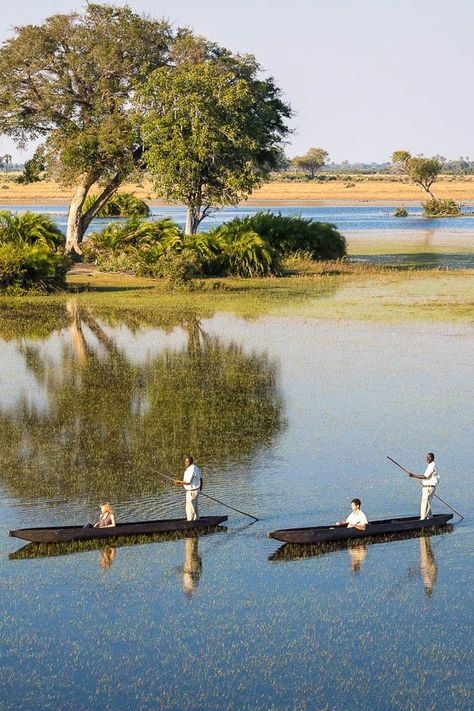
(289, 420)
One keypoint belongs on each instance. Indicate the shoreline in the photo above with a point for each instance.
(251, 202)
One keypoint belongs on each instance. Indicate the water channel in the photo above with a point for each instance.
(373, 233)
(289, 418)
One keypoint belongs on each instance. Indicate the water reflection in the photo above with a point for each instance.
(428, 565)
(106, 557)
(357, 556)
(192, 568)
(102, 419)
(427, 568)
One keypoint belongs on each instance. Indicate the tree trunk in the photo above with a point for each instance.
(75, 227)
(77, 223)
(100, 201)
(193, 219)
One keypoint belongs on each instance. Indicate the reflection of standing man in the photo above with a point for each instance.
(430, 480)
(192, 483)
(429, 568)
(192, 566)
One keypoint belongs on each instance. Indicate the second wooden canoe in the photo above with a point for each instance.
(323, 534)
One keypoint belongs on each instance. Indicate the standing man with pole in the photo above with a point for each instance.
(192, 482)
(430, 481)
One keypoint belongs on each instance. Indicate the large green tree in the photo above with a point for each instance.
(421, 171)
(212, 129)
(70, 82)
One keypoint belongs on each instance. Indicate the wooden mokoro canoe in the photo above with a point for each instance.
(295, 551)
(61, 534)
(323, 534)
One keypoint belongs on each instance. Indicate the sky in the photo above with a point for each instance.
(363, 77)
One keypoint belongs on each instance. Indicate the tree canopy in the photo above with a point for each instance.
(421, 171)
(212, 131)
(312, 161)
(70, 81)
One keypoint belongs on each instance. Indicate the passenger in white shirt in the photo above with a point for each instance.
(192, 483)
(430, 481)
(356, 519)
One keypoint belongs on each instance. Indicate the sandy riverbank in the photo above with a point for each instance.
(363, 190)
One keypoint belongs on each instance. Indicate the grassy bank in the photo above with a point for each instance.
(360, 188)
(331, 292)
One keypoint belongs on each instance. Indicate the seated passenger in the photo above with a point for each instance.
(356, 519)
(106, 518)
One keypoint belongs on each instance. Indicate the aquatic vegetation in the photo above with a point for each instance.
(441, 208)
(400, 211)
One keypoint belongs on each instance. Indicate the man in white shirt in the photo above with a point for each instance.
(356, 519)
(192, 482)
(430, 481)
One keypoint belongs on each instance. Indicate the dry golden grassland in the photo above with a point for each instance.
(352, 190)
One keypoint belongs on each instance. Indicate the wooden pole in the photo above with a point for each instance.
(165, 476)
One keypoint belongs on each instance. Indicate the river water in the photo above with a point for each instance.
(415, 240)
(289, 419)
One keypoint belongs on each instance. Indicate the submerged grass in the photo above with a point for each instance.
(323, 290)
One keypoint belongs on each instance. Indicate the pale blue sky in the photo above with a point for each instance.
(364, 77)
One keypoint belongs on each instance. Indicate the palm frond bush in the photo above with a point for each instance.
(134, 234)
(294, 234)
(26, 266)
(119, 205)
(31, 228)
(244, 253)
(31, 254)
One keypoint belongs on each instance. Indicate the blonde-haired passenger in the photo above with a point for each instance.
(106, 518)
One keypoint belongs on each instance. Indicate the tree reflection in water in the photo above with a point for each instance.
(109, 420)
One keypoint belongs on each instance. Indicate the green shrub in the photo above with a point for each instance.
(25, 266)
(128, 236)
(30, 227)
(120, 262)
(441, 208)
(248, 247)
(293, 234)
(179, 269)
(244, 253)
(31, 254)
(401, 211)
(119, 205)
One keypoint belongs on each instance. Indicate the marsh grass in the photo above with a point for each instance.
(323, 290)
